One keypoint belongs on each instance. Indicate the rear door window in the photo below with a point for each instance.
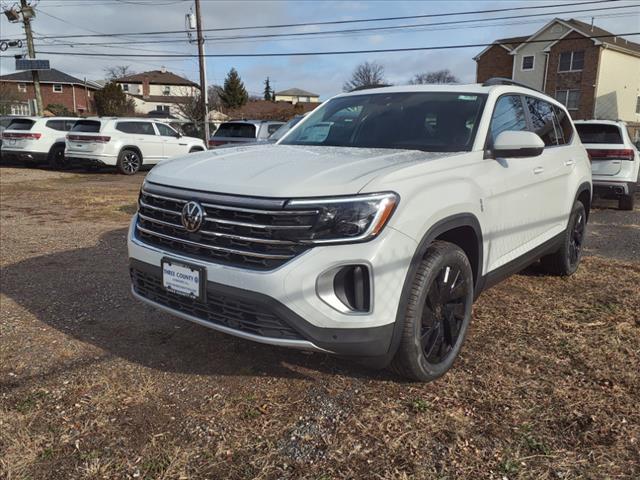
(165, 130)
(564, 122)
(87, 126)
(137, 128)
(245, 130)
(599, 133)
(21, 124)
(544, 122)
(508, 115)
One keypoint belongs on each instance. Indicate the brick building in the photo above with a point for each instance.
(594, 77)
(58, 88)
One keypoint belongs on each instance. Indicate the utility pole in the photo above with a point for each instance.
(203, 73)
(32, 54)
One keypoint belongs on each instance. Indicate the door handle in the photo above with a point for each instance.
(568, 163)
(538, 170)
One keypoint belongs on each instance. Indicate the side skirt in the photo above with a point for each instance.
(516, 265)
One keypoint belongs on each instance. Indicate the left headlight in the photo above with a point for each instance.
(345, 219)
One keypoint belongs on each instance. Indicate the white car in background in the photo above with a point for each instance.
(36, 140)
(126, 143)
(615, 161)
(244, 131)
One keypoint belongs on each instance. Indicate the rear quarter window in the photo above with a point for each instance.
(88, 126)
(599, 133)
(21, 124)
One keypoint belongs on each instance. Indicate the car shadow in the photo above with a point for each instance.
(85, 293)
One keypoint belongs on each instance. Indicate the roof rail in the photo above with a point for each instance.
(506, 81)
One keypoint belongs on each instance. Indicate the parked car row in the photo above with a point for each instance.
(126, 143)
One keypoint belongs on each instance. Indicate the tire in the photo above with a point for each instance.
(566, 260)
(626, 202)
(129, 162)
(436, 319)
(57, 159)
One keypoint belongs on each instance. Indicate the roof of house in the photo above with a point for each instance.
(266, 110)
(157, 77)
(297, 92)
(586, 29)
(47, 76)
(162, 98)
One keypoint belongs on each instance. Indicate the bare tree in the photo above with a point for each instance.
(8, 96)
(366, 75)
(440, 76)
(118, 71)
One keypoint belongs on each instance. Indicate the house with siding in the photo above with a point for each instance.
(158, 91)
(594, 77)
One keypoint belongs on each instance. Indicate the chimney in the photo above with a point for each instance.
(145, 86)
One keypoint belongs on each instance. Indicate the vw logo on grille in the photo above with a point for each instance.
(192, 216)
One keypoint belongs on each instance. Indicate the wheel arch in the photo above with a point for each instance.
(454, 229)
(135, 149)
(56, 145)
(585, 195)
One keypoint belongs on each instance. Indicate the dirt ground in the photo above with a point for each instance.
(95, 385)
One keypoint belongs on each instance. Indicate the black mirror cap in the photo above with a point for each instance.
(518, 152)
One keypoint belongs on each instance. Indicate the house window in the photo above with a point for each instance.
(166, 90)
(571, 61)
(57, 88)
(125, 87)
(528, 62)
(163, 108)
(22, 87)
(569, 98)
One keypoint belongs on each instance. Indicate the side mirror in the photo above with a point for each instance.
(178, 135)
(517, 144)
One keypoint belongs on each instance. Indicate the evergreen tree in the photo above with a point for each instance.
(112, 101)
(268, 91)
(233, 93)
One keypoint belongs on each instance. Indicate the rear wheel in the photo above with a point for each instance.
(626, 202)
(57, 159)
(565, 261)
(129, 162)
(438, 314)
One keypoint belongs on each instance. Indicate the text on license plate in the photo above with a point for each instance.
(181, 279)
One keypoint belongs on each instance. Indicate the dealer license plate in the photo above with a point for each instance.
(183, 279)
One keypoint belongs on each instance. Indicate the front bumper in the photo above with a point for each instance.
(290, 295)
(613, 189)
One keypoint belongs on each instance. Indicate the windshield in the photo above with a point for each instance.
(429, 121)
(599, 133)
(247, 130)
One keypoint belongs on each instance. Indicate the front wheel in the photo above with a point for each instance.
(565, 261)
(437, 315)
(129, 162)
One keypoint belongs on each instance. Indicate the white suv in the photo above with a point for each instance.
(371, 227)
(36, 139)
(127, 143)
(615, 161)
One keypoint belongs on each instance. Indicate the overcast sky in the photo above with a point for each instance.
(320, 74)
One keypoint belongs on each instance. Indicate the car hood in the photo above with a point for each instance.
(284, 171)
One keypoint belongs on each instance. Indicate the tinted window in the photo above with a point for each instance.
(272, 128)
(429, 121)
(247, 130)
(138, 128)
(21, 124)
(543, 121)
(89, 126)
(508, 115)
(166, 131)
(57, 125)
(599, 133)
(564, 122)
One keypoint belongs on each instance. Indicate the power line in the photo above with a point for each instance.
(363, 30)
(338, 22)
(299, 54)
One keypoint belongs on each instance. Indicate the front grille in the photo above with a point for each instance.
(247, 237)
(217, 308)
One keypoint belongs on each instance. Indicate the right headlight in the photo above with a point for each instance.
(351, 219)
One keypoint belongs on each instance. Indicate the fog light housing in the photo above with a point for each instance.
(347, 288)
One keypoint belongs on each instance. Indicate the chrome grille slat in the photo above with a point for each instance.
(211, 247)
(245, 235)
